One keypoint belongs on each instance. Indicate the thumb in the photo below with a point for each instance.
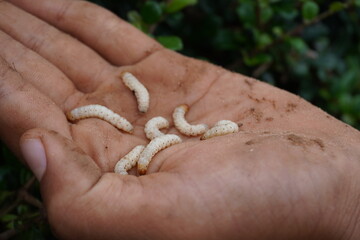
(62, 168)
(76, 205)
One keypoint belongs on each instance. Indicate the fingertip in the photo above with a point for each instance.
(58, 162)
(33, 152)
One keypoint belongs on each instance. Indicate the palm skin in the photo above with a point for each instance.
(290, 173)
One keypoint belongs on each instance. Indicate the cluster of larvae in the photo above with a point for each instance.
(142, 155)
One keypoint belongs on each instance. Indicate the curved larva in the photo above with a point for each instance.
(129, 160)
(183, 126)
(155, 145)
(153, 125)
(221, 128)
(98, 111)
(223, 122)
(141, 93)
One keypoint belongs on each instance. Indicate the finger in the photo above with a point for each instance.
(81, 64)
(117, 41)
(23, 107)
(65, 171)
(68, 179)
(38, 72)
(63, 164)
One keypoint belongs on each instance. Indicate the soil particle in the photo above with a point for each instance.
(250, 142)
(290, 107)
(256, 114)
(304, 142)
(319, 142)
(249, 82)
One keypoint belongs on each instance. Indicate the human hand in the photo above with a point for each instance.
(276, 178)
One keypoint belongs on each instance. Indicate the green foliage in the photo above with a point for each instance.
(311, 48)
(337, 6)
(151, 12)
(18, 217)
(310, 10)
(307, 47)
(171, 42)
(177, 5)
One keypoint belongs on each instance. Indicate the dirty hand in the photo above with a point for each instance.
(292, 172)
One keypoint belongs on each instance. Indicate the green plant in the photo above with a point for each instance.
(310, 48)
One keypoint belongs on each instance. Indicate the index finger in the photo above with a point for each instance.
(115, 39)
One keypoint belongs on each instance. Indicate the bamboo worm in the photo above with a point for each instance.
(221, 128)
(101, 112)
(129, 160)
(153, 125)
(183, 126)
(141, 93)
(155, 145)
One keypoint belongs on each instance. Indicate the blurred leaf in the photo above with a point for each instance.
(263, 39)
(298, 44)
(345, 100)
(135, 19)
(357, 3)
(177, 5)
(151, 12)
(171, 42)
(321, 44)
(327, 61)
(258, 59)
(266, 14)
(288, 11)
(310, 10)
(4, 195)
(225, 39)
(269, 78)
(246, 13)
(337, 6)
(349, 119)
(8, 218)
(277, 31)
(22, 209)
(301, 68)
(324, 93)
(175, 20)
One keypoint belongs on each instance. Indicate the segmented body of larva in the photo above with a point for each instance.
(129, 160)
(221, 128)
(155, 145)
(153, 125)
(183, 126)
(98, 111)
(223, 122)
(141, 93)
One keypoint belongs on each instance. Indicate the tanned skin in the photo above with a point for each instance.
(292, 172)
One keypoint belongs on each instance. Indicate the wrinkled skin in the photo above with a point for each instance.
(292, 172)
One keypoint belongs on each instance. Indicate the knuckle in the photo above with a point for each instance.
(10, 80)
(63, 12)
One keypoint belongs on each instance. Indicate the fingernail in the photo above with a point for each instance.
(34, 153)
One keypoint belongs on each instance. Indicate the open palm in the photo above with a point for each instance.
(240, 185)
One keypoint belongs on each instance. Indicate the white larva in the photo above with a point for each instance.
(183, 126)
(221, 128)
(223, 122)
(153, 125)
(155, 145)
(129, 160)
(141, 93)
(98, 111)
